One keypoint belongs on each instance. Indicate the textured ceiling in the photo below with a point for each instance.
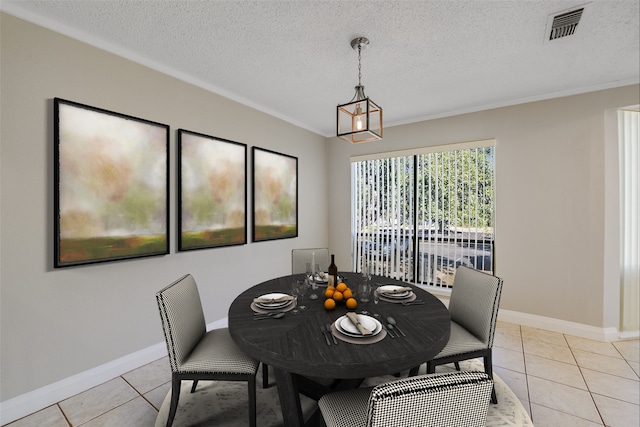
(427, 59)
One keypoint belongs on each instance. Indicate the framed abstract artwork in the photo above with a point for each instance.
(275, 195)
(111, 186)
(212, 199)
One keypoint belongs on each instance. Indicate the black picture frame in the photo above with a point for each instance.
(111, 185)
(275, 195)
(212, 191)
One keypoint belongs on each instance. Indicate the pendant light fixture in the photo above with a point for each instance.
(359, 120)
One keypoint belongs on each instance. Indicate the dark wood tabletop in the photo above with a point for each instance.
(295, 346)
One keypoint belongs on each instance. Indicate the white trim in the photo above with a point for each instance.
(563, 326)
(36, 400)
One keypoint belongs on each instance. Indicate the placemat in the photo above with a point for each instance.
(368, 340)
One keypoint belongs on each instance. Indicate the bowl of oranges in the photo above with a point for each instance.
(339, 294)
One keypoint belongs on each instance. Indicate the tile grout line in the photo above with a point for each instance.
(586, 383)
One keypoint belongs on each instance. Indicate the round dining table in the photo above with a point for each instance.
(297, 349)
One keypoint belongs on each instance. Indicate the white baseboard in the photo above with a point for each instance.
(33, 401)
(565, 327)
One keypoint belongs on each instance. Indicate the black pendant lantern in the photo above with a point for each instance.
(359, 120)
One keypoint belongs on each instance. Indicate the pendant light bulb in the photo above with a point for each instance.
(358, 114)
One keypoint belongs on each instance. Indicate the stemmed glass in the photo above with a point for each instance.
(295, 291)
(311, 280)
(365, 287)
(302, 289)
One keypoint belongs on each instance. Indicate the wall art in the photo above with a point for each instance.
(111, 183)
(275, 195)
(212, 197)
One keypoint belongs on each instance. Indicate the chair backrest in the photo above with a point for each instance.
(452, 399)
(300, 258)
(474, 302)
(182, 318)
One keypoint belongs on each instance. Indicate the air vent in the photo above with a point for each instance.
(565, 24)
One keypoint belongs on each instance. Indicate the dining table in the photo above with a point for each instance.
(308, 355)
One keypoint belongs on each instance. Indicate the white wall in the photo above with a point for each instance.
(59, 322)
(551, 189)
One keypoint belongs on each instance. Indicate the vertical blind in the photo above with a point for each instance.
(629, 155)
(418, 217)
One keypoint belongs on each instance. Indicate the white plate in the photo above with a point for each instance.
(387, 292)
(345, 326)
(273, 305)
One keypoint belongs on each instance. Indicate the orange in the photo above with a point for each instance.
(347, 293)
(341, 287)
(329, 304)
(333, 288)
(352, 303)
(328, 293)
(337, 295)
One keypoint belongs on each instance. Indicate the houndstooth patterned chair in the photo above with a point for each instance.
(473, 307)
(196, 354)
(455, 399)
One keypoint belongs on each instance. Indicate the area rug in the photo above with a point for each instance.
(225, 404)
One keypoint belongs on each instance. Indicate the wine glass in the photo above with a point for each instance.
(376, 295)
(302, 289)
(295, 291)
(311, 280)
(363, 293)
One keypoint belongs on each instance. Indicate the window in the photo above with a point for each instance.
(417, 216)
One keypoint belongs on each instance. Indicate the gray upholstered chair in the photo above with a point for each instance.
(194, 353)
(454, 399)
(300, 258)
(473, 307)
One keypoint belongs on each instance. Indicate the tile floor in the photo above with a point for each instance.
(562, 380)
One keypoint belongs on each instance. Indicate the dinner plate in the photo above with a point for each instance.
(387, 292)
(346, 327)
(273, 305)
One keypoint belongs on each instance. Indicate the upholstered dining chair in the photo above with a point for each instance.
(300, 258)
(454, 399)
(473, 308)
(194, 353)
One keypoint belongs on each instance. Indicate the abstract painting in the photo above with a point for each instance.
(275, 195)
(212, 192)
(111, 185)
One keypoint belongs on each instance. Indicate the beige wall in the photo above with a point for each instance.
(550, 199)
(57, 323)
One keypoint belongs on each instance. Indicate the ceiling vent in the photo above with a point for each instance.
(563, 24)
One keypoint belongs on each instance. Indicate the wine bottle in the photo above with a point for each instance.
(333, 272)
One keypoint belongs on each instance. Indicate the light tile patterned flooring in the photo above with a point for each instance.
(562, 380)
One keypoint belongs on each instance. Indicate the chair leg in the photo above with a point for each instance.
(431, 367)
(457, 365)
(175, 396)
(414, 371)
(488, 369)
(193, 387)
(252, 401)
(265, 375)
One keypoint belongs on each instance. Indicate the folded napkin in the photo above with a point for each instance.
(396, 290)
(273, 300)
(354, 319)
